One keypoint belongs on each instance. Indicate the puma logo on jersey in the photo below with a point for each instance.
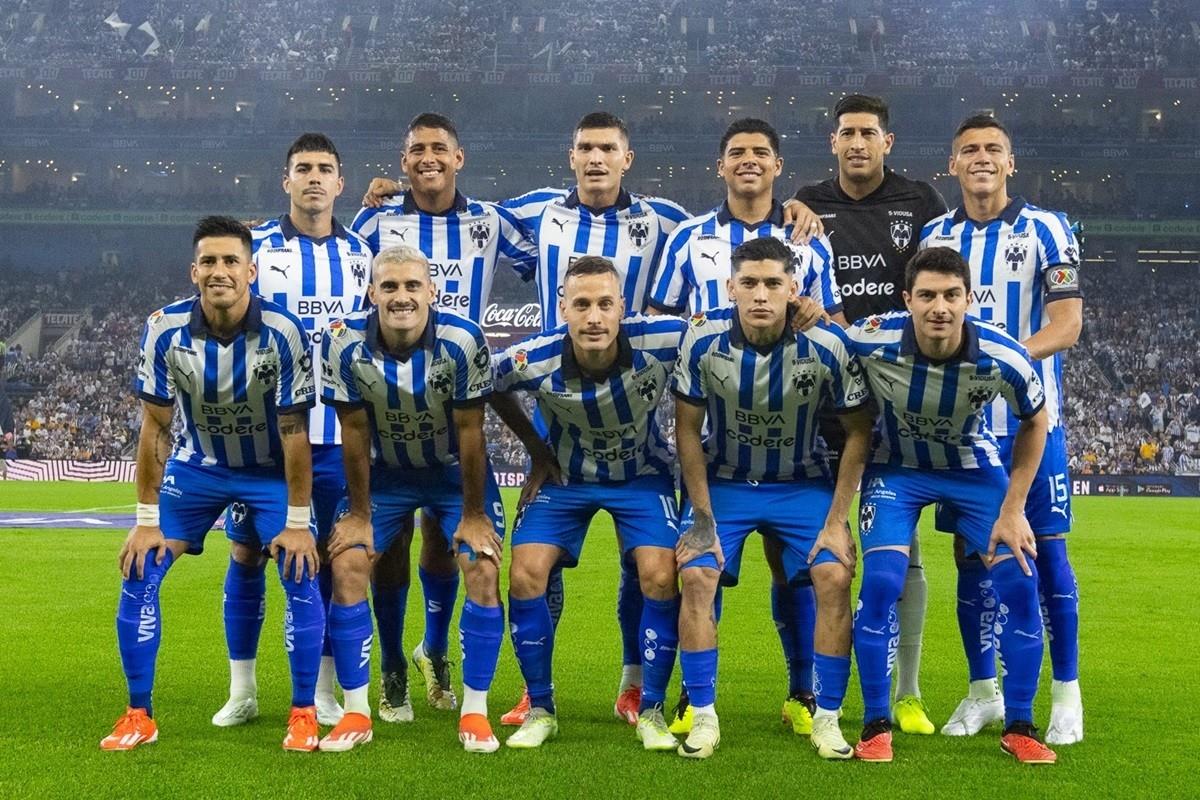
(560, 223)
(710, 256)
(281, 270)
(399, 233)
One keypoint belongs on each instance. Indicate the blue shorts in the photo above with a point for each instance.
(1048, 507)
(192, 498)
(328, 489)
(792, 512)
(892, 499)
(643, 510)
(397, 493)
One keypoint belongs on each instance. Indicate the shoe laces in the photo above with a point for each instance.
(441, 671)
(1023, 728)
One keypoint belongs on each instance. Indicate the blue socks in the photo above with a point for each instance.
(556, 596)
(629, 613)
(1019, 638)
(660, 629)
(325, 586)
(303, 635)
(877, 630)
(244, 609)
(831, 676)
(139, 630)
(794, 609)
(699, 670)
(976, 612)
(441, 592)
(389, 603)
(481, 629)
(351, 632)
(1060, 604)
(532, 633)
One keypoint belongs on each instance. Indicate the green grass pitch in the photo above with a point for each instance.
(1137, 565)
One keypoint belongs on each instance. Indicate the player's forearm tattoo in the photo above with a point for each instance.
(293, 424)
(703, 533)
(162, 446)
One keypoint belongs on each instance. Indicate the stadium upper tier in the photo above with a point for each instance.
(651, 36)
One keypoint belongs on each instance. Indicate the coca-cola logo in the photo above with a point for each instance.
(526, 316)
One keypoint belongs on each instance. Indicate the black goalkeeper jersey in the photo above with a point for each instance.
(873, 238)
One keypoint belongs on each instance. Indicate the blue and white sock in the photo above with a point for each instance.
(244, 607)
(876, 628)
(303, 635)
(1019, 637)
(831, 676)
(532, 634)
(389, 604)
(556, 596)
(139, 630)
(660, 641)
(699, 668)
(976, 611)
(1060, 601)
(481, 629)
(441, 593)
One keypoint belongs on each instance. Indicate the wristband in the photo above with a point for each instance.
(147, 515)
(297, 517)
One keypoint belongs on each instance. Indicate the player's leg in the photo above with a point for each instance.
(555, 599)
(909, 710)
(244, 608)
(438, 573)
(390, 580)
(328, 489)
(793, 609)
(975, 611)
(629, 616)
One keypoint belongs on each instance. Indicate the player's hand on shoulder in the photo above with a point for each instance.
(142, 539)
(350, 531)
(298, 548)
(806, 225)
(379, 190)
(806, 313)
(836, 538)
(700, 538)
(1012, 529)
(477, 533)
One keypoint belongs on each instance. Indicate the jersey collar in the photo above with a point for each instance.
(290, 232)
(775, 217)
(737, 336)
(198, 325)
(624, 201)
(570, 367)
(1009, 214)
(968, 352)
(375, 340)
(409, 206)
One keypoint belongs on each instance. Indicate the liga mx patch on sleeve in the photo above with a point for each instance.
(1062, 280)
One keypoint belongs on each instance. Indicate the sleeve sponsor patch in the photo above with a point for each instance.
(1062, 279)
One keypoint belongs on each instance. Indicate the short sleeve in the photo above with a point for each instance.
(154, 382)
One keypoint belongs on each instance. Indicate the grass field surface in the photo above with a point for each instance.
(1136, 560)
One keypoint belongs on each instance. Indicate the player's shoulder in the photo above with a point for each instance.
(879, 328)
(663, 207)
(546, 194)
(704, 327)
(1045, 216)
(995, 341)
(645, 330)
(277, 316)
(936, 230)
(172, 315)
(355, 240)
(821, 192)
(455, 327)
(266, 229)
(829, 335)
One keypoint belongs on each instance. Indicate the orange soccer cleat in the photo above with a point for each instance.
(875, 744)
(353, 730)
(303, 736)
(519, 712)
(1021, 741)
(475, 733)
(629, 703)
(132, 729)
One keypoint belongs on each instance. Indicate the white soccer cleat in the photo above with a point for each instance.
(236, 712)
(653, 732)
(1066, 724)
(436, 673)
(328, 710)
(973, 715)
(539, 725)
(703, 739)
(827, 739)
(394, 702)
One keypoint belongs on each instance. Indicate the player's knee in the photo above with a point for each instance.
(351, 574)
(831, 580)
(246, 555)
(482, 579)
(391, 569)
(657, 580)
(699, 585)
(526, 580)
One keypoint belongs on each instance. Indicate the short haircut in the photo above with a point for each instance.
(591, 265)
(979, 122)
(750, 125)
(312, 143)
(402, 254)
(944, 260)
(861, 104)
(602, 119)
(431, 120)
(764, 248)
(209, 227)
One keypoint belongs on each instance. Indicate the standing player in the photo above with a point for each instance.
(409, 382)
(240, 371)
(308, 263)
(598, 380)
(873, 217)
(1025, 268)
(465, 242)
(933, 371)
(694, 274)
(760, 386)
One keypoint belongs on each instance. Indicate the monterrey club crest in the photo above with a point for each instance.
(481, 231)
(901, 232)
(266, 372)
(1014, 255)
(803, 382)
(441, 381)
(980, 397)
(639, 232)
(647, 390)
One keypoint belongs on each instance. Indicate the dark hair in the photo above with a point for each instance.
(432, 120)
(750, 125)
(861, 104)
(603, 119)
(979, 122)
(765, 248)
(312, 143)
(221, 226)
(944, 260)
(591, 265)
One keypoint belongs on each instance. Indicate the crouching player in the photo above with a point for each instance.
(934, 371)
(409, 383)
(760, 385)
(239, 370)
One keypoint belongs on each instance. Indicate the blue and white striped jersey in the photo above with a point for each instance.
(601, 429)
(229, 392)
(318, 280)
(631, 234)
(464, 245)
(762, 406)
(697, 262)
(1021, 261)
(932, 413)
(410, 397)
